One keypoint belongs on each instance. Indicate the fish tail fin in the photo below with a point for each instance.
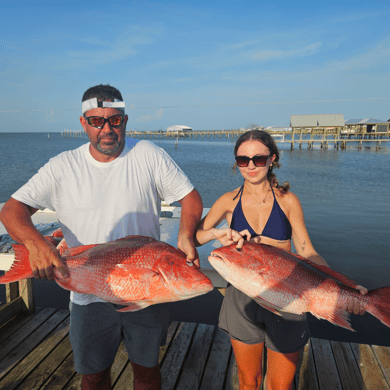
(20, 268)
(379, 304)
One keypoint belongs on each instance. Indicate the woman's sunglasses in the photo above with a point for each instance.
(259, 161)
(99, 122)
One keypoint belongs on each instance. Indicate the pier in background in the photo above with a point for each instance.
(325, 138)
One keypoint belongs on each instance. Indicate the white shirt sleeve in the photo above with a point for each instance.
(39, 191)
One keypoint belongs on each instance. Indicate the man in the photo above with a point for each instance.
(105, 190)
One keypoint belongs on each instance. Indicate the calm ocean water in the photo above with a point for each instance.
(345, 194)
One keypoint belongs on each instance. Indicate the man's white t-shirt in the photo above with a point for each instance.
(99, 202)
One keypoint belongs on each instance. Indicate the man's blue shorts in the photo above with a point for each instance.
(97, 329)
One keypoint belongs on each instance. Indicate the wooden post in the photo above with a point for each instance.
(292, 139)
(11, 291)
(26, 292)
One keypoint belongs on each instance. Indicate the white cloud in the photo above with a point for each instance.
(152, 117)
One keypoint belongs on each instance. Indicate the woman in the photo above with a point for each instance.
(264, 212)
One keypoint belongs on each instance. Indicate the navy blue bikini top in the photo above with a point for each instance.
(277, 227)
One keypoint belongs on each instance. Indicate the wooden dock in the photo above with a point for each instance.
(35, 353)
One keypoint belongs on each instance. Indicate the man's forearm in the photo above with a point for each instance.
(16, 217)
(191, 213)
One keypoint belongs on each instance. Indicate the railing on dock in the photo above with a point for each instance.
(19, 299)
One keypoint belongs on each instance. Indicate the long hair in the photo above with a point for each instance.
(268, 141)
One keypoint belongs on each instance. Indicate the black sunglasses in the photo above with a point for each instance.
(259, 161)
(99, 122)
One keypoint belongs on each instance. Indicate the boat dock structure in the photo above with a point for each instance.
(337, 137)
(35, 351)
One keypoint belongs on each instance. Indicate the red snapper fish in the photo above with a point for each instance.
(134, 271)
(283, 282)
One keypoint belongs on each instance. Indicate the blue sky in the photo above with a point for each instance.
(205, 64)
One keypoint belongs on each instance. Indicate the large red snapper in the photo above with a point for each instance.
(281, 281)
(135, 271)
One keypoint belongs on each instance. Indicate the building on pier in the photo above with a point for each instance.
(366, 126)
(178, 130)
(310, 121)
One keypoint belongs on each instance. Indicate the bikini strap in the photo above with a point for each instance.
(240, 192)
(272, 191)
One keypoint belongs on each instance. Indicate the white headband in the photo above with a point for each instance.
(93, 103)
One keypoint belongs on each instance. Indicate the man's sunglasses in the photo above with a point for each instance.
(259, 161)
(99, 122)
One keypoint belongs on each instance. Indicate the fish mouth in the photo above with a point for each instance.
(218, 257)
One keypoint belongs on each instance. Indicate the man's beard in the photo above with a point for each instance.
(108, 150)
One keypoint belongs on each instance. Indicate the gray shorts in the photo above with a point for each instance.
(245, 320)
(97, 329)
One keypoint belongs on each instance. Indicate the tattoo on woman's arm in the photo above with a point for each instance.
(303, 246)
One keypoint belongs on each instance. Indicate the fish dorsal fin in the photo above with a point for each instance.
(327, 271)
(78, 250)
(137, 238)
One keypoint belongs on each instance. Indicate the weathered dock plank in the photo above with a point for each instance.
(306, 375)
(125, 380)
(14, 324)
(45, 375)
(232, 376)
(63, 376)
(193, 367)
(176, 354)
(217, 364)
(382, 354)
(328, 377)
(14, 357)
(39, 364)
(37, 354)
(120, 364)
(348, 369)
(23, 333)
(372, 374)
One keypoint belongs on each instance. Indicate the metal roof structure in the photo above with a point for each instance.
(312, 120)
(179, 128)
(363, 121)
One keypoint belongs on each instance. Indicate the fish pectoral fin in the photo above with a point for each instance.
(338, 317)
(267, 305)
(139, 274)
(135, 306)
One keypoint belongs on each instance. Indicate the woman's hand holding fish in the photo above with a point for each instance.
(229, 236)
(43, 256)
(354, 306)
